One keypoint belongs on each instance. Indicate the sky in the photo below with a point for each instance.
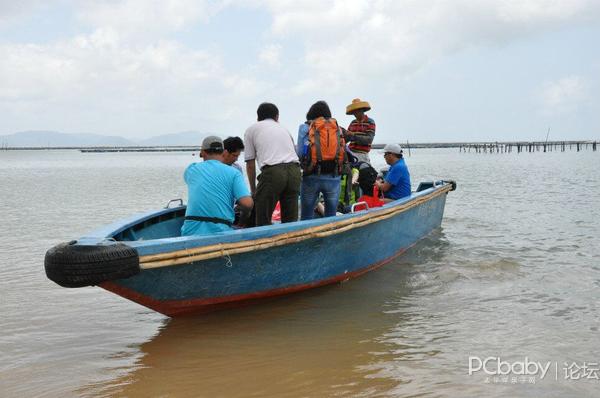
(432, 70)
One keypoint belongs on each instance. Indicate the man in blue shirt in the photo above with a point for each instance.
(396, 184)
(213, 188)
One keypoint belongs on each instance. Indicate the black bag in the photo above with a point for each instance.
(367, 176)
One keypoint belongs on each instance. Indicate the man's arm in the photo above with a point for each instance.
(384, 186)
(251, 171)
(361, 133)
(363, 137)
(246, 202)
(302, 133)
(347, 134)
(250, 158)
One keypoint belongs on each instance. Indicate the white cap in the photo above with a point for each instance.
(393, 148)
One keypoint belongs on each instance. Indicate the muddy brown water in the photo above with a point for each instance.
(514, 274)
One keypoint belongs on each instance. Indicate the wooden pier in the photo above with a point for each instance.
(102, 149)
(523, 146)
(143, 149)
(504, 147)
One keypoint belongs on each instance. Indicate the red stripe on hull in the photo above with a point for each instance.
(183, 307)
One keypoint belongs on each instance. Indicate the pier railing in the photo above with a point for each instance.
(506, 147)
(534, 146)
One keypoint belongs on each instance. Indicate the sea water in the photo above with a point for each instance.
(511, 279)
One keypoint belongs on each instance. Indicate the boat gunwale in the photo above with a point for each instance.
(223, 249)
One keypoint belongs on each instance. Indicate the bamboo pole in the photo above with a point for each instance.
(187, 256)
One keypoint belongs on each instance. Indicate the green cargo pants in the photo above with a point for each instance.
(280, 182)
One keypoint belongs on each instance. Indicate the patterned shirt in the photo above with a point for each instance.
(364, 132)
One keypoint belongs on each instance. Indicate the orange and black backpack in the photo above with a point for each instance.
(326, 145)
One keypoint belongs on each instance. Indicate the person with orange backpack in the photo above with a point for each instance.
(320, 147)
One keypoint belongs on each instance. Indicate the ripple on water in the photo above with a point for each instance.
(514, 270)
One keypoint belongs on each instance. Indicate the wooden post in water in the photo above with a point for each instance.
(497, 147)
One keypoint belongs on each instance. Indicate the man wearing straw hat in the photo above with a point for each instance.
(361, 130)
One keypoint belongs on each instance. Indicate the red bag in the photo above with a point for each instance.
(371, 201)
(276, 217)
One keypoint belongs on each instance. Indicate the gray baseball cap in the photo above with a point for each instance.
(212, 142)
(393, 148)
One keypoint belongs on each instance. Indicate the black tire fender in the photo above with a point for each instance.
(72, 265)
(451, 182)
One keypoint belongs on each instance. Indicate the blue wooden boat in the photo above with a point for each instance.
(144, 258)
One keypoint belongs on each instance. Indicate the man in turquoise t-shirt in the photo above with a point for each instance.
(213, 188)
(396, 184)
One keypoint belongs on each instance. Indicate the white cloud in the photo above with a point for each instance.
(128, 60)
(129, 71)
(535, 10)
(316, 17)
(146, 19)
(270, 55)
(99, 77)
(349, 42)
(563, 95)
(55, 70)
(14, 9)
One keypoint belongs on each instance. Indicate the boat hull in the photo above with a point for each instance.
(179, 281)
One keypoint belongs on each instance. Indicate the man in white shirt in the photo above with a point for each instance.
(271, 145)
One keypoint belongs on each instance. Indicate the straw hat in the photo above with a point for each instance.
(356, 105)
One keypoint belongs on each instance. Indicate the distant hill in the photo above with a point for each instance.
(56, 139)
